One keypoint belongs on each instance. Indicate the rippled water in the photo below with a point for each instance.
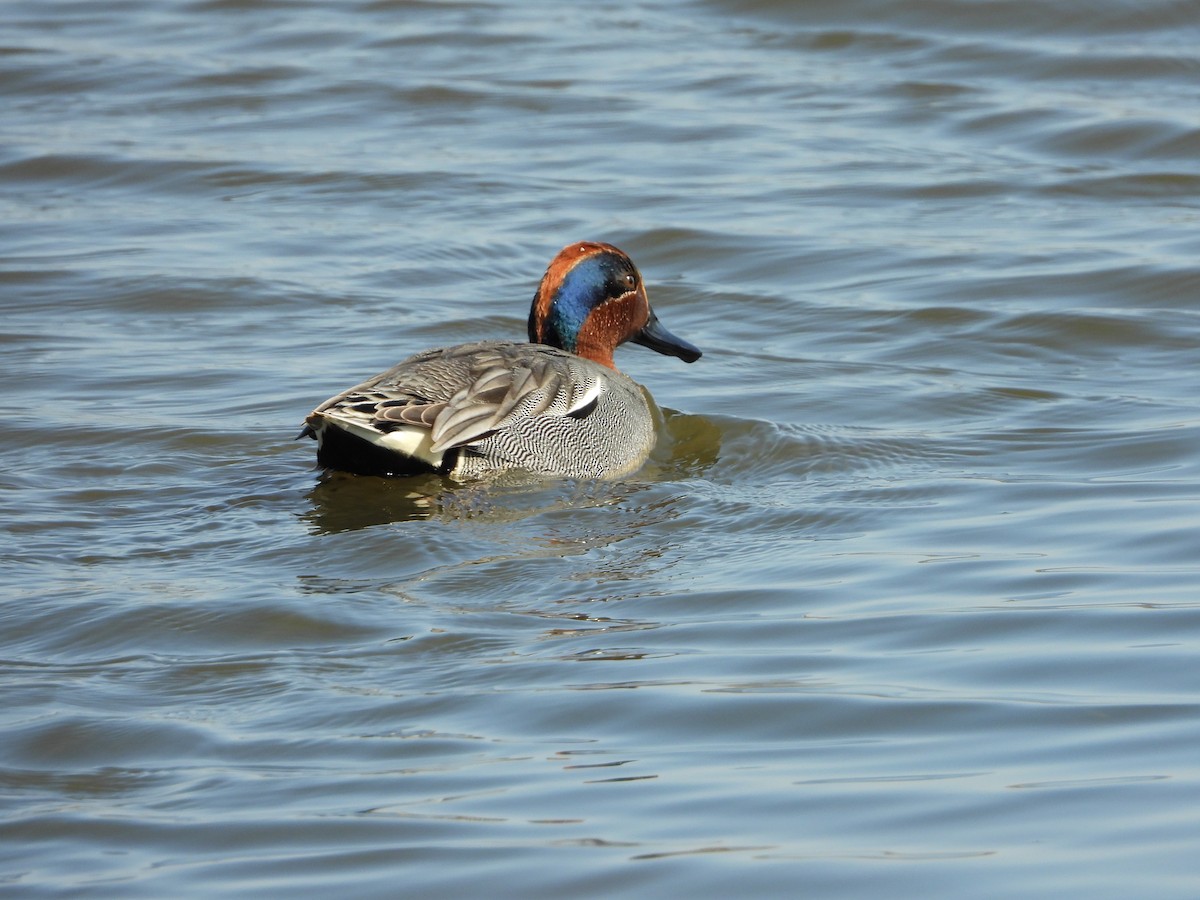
(905, 605)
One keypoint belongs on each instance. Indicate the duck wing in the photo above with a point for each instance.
(463, 394)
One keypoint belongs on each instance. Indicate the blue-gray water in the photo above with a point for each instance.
(909, 605)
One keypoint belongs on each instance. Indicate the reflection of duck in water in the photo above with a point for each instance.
(556, 406)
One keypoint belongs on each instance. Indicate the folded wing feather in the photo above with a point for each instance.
(463, 394)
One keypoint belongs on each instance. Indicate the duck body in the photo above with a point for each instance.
(556, 406)
(473, 409)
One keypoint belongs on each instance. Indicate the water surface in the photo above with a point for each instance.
(904, 605)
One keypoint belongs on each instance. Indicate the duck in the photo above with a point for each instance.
(555, 407)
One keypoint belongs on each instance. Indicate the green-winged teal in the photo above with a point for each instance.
(556, 406)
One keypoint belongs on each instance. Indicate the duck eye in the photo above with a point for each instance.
(630, 281)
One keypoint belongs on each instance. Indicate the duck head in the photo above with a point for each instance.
(592, 299)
